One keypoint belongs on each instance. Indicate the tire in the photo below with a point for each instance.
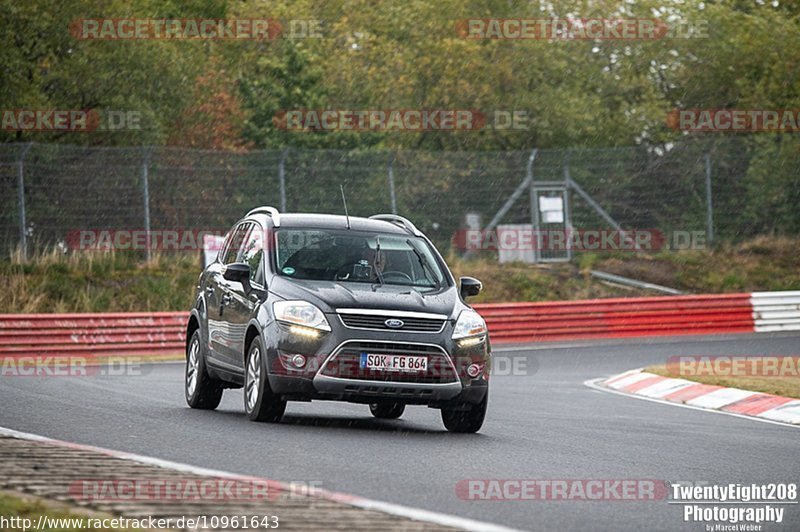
(201, 391)
(387, 410)
(260, 402)
(466, 421)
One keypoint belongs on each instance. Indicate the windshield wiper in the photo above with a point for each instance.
(378, 273)
(424, 263)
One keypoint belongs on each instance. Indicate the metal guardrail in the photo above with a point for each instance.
(627, 281)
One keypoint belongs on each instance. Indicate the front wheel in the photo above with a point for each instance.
(466, 420)
(260, 402)
(387, 410)
(201, 391)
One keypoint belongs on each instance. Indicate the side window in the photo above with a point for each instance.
(291, 242)
(226, 243)
(252, 253)
(235, 243)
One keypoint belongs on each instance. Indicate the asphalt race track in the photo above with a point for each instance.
(544, 424)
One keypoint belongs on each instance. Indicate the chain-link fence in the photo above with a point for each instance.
(734, 188)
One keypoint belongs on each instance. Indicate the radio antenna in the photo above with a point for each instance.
(344, 201)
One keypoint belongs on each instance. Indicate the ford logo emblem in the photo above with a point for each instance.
(394, 323)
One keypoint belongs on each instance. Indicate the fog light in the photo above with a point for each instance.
(298, 361)
(474, 370)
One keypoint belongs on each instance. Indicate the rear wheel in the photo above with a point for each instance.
(260, 402)
(387, 410)
(467, 418)
(201, 391)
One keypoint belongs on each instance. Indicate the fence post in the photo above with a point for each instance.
(709, 206)
(23, 232)
(390, 171)
(567, 216)
(282, 178)
(537, 248)
(146, 198)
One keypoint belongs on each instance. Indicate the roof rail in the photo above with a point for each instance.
(272, 211)
(393, 218)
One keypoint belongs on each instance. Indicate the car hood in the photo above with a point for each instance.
(329, 296)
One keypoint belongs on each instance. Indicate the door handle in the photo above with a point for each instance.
(226, 299)
(209, 291)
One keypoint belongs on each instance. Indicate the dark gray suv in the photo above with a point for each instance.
(300, 307)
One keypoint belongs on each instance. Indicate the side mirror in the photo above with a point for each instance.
(470, 287)
(238, 272)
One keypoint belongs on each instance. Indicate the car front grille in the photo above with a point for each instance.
(378, 322)
(345, 363)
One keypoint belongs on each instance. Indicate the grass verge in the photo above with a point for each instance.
(760, 264)
(17, 511)
(53, 281)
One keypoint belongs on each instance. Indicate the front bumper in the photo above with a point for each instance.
(331, 373)
(366, 391)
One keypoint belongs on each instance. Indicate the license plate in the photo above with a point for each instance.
(394, 362)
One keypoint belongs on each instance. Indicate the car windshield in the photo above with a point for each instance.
(352, 256)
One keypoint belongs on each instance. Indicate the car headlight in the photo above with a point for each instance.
(300, 313)
(469, 323)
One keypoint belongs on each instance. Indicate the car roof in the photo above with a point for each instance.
(334, 221)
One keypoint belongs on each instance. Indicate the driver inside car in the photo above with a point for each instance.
(368, 265)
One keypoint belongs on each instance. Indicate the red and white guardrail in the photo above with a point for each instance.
(162, 333)
(776, 311)
(92, 335)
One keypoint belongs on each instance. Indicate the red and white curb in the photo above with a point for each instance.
(681, 392)
(415, 514)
